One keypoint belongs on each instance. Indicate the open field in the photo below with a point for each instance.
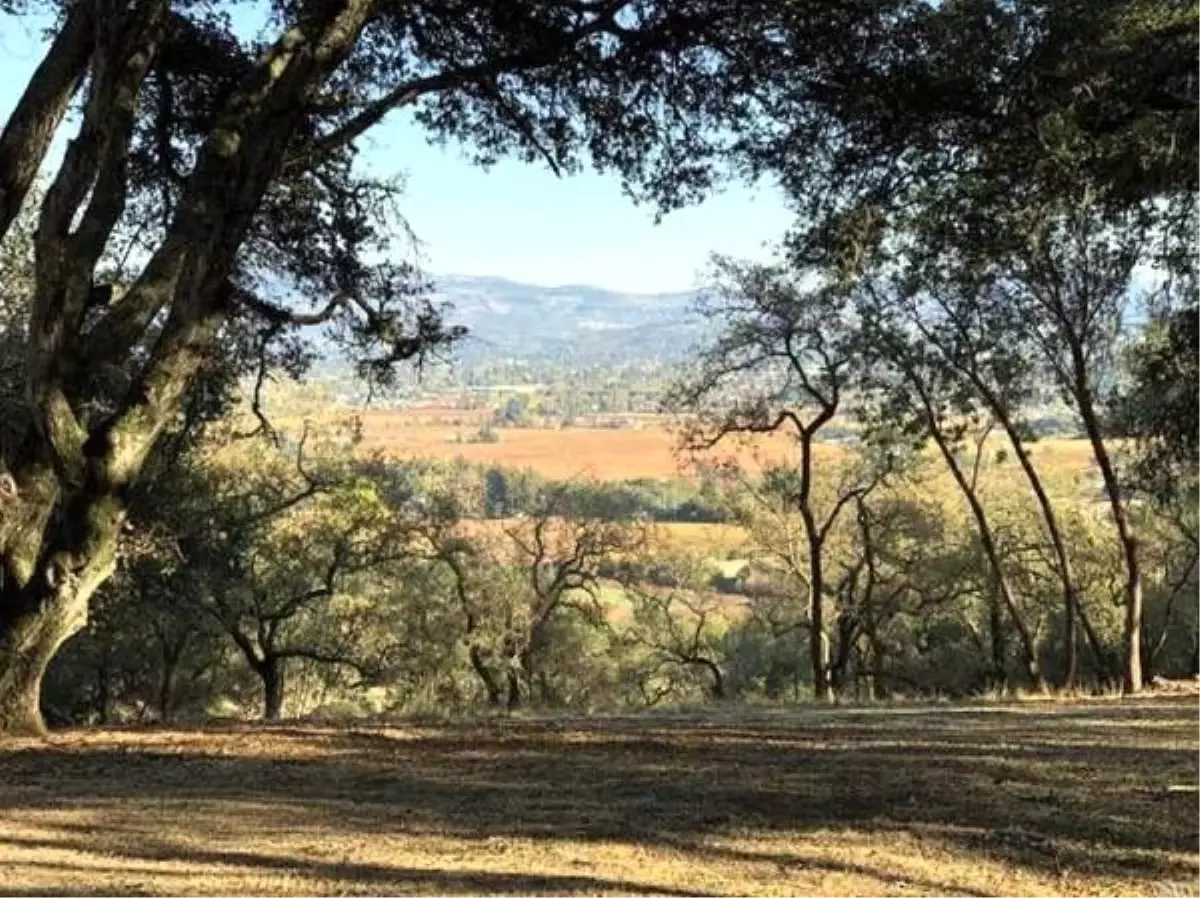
(651, 450)
(602, 453)
(1033, 799)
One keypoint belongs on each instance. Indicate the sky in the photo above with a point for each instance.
(519, 221)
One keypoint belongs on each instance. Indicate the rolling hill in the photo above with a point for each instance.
(578, 323)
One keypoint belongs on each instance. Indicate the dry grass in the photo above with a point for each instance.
(1084, 799)
(602, 453)
(652, 449)
(699, 539)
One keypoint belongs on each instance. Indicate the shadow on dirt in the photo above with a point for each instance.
(1047, 791)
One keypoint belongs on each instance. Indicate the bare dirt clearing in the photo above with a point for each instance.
(1031, 799)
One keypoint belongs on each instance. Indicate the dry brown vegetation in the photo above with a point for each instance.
(651, 450)
(602, 453)
(1095, 798)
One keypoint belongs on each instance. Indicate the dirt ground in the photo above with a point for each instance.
(1026, 799)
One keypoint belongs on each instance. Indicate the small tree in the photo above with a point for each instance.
(436, 535)
(560, 554)
(278, 557)
(509, 586)
(784, 360)
(682, 625)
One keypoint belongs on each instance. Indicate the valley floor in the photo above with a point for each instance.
(1030, 799)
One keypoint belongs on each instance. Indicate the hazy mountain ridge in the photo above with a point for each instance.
(576, 322)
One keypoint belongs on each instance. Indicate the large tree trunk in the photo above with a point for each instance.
(490, 685)
(74, 468)
(32, 124)
(44, 594)
(29, 639)
(270, 671)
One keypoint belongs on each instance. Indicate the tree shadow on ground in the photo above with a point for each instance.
(393, 878)
(425, 880)
(1045, 791)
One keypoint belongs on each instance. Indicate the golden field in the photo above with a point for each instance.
(651, 450)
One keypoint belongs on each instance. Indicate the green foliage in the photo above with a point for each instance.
(1157, 406)
(430, 594)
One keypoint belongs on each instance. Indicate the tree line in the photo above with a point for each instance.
(278, 575)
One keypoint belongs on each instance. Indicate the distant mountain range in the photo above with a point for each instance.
(578, 324)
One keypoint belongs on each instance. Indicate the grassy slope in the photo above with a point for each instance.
(1034, 799)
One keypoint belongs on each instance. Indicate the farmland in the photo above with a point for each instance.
(1036, 799)
(603, 453)
(649, 448)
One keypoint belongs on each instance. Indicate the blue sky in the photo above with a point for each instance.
(519, 221)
